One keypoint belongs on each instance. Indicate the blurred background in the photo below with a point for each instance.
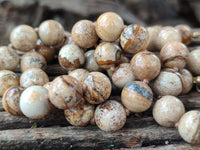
(67, 12)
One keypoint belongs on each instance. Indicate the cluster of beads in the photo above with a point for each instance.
(101, 56)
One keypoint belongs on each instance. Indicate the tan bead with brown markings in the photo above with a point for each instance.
(11, 99)
(71, 57)
(189, 127)
(174, 55)
(80, 115)
(34, 76)
(186, 33)
(110, 116)
(137, 96)
(9, 59)
(32, 60)
(167, 83)
(168, 110)
(134, 38)
(23, 38)
(187, 80)
(7, 80)
(109, 26)
(167, 34)
(122, 75)
(51, 32)
(145, 65)
(107, 55)
(97, 88)
(194, 62)
(65, 92)
(153, 34)
(84, 34)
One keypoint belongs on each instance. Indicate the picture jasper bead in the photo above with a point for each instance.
(122, 75)
(90, 63)
(186, 79)
(134, 38)
(168, 110)
(167, 34)
(65, 92)
(9, 59)
(110, 116)
(153, 34)
(97, 88)
(51, 32)
(32, 60)
(137, 96)
(145, 65)
(189, 127)
(174, 55)
(34, 102)
(84, 34)
(80, 115)
(109, 26)
(186, 33)
(7, 80)
(107, 55)
(194, 62)
(34, 76)
(11, 99)
(167, 83)
(71, 57)
(23, 38)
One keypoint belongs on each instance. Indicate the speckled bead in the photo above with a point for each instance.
(167, 83)
(97, 88)
(107, 55)
(122, 75)
(34, 76)
(71, 57)
(32, 60)
(51, 32)
(174, 55)
(79, 74)
(84, 34)
(145, 65)
(80, 115)
(194, 62)
(11, 99)
(23, 38)
(65, 92)
(168, 110)
(109, 26)
(90, 63)
(134, 38)
(137, 96)
(7, 80)
(34, 102)
(188, 127)
(167, 34)
(110, 116)
(9, 59)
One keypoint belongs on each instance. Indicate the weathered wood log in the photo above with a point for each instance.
(180, 146)
(87, 138)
